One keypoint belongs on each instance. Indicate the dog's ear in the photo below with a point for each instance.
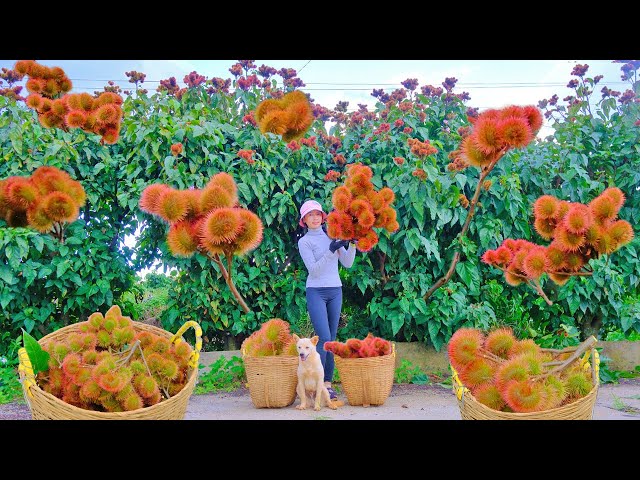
(296, 338)
(315, 339)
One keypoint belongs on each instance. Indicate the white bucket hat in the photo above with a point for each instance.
(309, 206)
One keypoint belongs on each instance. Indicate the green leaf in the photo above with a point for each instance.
(44, 271)
(408, 246)
(574, 303)
(99, 166)
(397, 320)
(469, 274)
(244, 189)
(38, 357)
(5, 298)
(421, 305)
(62, 267)
(7, 275)
(38, 242)
(433, 327)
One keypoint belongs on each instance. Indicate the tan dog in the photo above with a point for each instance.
(311, 376)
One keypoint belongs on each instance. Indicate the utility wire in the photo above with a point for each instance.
(471, 84)
(309, 61)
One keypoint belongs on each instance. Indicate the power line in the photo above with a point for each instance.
(304, 66)
(469, 85)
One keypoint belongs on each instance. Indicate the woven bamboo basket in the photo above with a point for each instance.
(581, 409)
(271, 380)
(367, 381)
(45, 406)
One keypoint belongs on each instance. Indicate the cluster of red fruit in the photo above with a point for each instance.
(494, 133)
(358, 208)
(370, 346)
(273, 338)
(47, 197)
(512, 375)
(289, 116)
(48, 87)
(578, 232)
(207, 219)
(97, 368)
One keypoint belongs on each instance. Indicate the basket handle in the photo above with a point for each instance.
(26, 369)
(195, 355)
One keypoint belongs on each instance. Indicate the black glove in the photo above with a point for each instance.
(336, 244)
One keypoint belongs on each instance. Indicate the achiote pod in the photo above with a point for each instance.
(207, 221)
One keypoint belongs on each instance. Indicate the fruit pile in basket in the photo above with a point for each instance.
(370, 346)
(511, 375)
(108, 366)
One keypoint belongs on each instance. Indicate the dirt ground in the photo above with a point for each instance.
(619, 401)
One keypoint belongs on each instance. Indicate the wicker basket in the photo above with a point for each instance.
(271, 380)
(45, 406)
(581, 409)
(367, 381)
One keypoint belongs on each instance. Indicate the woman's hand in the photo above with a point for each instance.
(336, 244)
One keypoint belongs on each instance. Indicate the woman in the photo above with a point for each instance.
(324, 288)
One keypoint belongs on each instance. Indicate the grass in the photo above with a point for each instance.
(619, 405)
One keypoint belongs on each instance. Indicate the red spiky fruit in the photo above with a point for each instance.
(463, 347)
(500, 341)
(525, 396)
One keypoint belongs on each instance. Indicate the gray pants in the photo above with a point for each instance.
(324, 305)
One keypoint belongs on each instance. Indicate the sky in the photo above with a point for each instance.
(490, 83)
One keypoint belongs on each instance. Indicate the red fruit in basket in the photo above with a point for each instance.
(523, 346)
(578, 384)
(489, 395)
(464, 346)
(525, 396)
(332, 347)
(513, 369)
(555, 391)
(476, 373)
(500, 341)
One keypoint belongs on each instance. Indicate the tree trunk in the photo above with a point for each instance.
(591, 324)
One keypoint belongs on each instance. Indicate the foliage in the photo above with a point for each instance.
(38, 357)
(406, 372)
(616, 336)
(594, 145)
(303, 326)
(224, 375)
(156, 280)
(10, 388)
(608, 375)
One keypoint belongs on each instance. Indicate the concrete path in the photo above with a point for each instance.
(406, 402)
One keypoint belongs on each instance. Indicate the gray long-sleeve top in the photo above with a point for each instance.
(321, 264)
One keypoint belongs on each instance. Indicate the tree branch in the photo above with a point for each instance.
(226, 273)
(472, 205)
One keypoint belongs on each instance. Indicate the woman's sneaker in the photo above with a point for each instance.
(332, 393)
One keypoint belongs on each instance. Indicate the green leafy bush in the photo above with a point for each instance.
(407, 372)
(223, 375)
(46, 286)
